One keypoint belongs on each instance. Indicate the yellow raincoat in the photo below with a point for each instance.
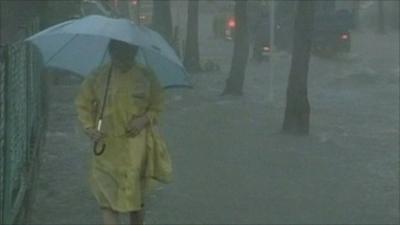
(121, 176)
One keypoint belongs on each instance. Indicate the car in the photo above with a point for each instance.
(224, 26)
(332, 32)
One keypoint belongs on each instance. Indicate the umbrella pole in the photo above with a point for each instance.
(146, 61)
(100, 122)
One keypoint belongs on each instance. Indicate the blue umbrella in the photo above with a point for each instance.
(81, 45)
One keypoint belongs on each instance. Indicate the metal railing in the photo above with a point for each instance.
(22, 122)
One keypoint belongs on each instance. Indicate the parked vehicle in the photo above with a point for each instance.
(331, 32)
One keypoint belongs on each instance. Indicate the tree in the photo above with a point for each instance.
(44, 14)
(327, 7)
(381, 18)
(234, 84)
(162, 19)
(53, 12)
(297, 112)
(192, 58)
(123, 8)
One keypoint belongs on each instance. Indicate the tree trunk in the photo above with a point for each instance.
(44, 14)
(234, 84)
(192, 58)
(381, 18)
(54, 12)
(162, 19)
(123, 9)
(297, 112)
(325, 6)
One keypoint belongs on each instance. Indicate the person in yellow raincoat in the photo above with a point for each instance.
(135, 155)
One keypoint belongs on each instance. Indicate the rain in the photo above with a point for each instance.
(199, 112)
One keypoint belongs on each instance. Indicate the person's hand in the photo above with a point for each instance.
(94, 134)
(136, 125)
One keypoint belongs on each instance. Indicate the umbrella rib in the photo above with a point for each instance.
(104, 56)
(62, 48)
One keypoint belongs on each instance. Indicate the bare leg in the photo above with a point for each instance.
(136, 218)
(110, 217)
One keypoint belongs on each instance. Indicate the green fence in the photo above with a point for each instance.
(22, 124)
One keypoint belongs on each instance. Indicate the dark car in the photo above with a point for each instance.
(332, 32)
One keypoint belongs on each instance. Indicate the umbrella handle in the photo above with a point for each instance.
(98, 153)
(96, 143)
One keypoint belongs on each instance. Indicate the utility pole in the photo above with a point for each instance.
(1, 32)
(272, 45)
(136, 5)
(381, 18)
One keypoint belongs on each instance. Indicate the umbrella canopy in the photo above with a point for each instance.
(81, 45)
